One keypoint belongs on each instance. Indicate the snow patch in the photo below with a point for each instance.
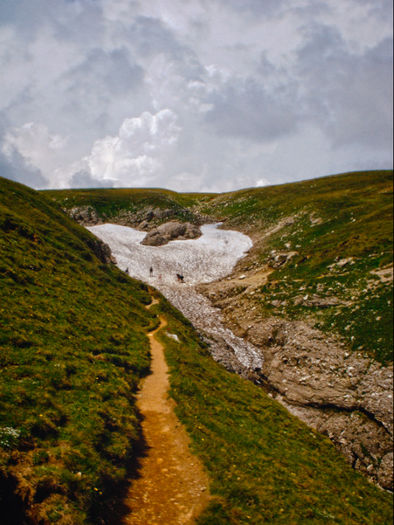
(210, 257)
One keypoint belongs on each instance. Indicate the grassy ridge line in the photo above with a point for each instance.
(265, 465)
(109, 203)
(73, 347)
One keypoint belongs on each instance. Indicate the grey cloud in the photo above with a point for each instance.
(16, 169)
(149, 36)
(348, 95)
(84, 179)
(246, 109)
(255, 7)
(33, 13)
(104, 73)
(70, 19)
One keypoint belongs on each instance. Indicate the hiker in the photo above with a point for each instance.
(127, 271)
(151, 271)
(179, 277)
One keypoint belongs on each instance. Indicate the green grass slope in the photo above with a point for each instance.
(265, 465)
(72, 350)
(341, 228)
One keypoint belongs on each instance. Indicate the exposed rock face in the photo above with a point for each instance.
(146, 219)
(102, 251)
(170, 231)
(85, 215)
(342, 394)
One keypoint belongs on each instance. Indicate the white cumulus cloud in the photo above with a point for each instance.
(135, 156)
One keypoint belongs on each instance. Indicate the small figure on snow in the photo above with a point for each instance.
(151, 271)
(180, 278)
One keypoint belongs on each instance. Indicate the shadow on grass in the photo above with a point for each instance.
(112, 508)
(12, 505)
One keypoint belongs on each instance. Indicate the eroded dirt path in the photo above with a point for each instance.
(172, 488)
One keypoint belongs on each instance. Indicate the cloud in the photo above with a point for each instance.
(39, 149)
(194, 95)
(246, 109)
(348, 95)
(15, 168)
(83, 179)
(135, 155)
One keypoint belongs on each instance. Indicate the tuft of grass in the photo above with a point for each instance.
(265, 465)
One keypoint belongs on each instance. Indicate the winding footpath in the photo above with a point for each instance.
(172, 487)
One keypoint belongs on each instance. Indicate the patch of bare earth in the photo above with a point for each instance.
(172, 487)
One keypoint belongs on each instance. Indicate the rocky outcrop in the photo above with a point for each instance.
(146, 218)
(102, 251)
(342, 394)
(85, 215)
(170, 231)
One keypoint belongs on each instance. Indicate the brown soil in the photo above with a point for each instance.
(172, 488)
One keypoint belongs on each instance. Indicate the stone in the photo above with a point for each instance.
(170, 231)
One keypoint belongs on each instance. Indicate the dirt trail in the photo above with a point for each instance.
(172, 488)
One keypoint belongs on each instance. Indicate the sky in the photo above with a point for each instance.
(193, 95)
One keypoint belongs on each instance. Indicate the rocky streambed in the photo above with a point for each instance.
(344, 396)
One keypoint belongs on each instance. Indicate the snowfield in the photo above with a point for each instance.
(212, 256)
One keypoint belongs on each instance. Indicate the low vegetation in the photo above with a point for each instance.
(265, 465)
(72, 350)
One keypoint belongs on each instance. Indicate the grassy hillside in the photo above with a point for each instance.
(72, 349)
(265, 465)
(336, 238)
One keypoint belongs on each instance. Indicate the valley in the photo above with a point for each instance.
(75, 349)
(308, 298)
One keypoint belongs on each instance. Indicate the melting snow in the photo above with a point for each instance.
(212, 256)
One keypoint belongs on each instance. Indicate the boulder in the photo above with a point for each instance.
(170, 231)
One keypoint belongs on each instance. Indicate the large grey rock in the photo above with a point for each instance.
(170, 231)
